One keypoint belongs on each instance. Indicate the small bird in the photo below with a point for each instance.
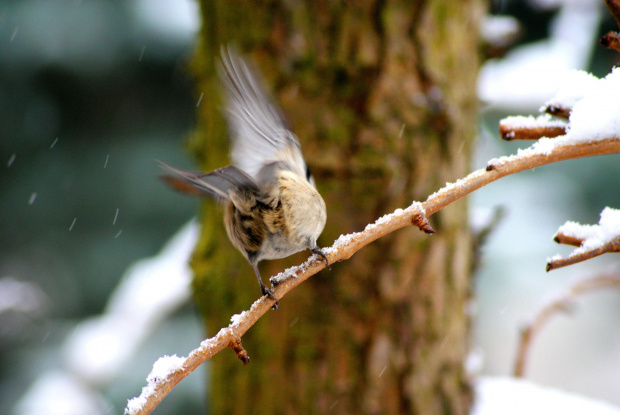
(272, 208)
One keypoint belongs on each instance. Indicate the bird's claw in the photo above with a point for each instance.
(267, 291)
(320, 253)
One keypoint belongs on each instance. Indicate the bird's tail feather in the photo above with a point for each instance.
(219, 184)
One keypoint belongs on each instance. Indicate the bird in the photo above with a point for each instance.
(272, 208)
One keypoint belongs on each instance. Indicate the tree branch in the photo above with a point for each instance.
(530, 128)
(591, 240)
(549, 310)
(522, 133)
(347, 245)
(561, 238)
(609, 247)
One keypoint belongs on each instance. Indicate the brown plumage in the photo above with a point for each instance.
(272, 209)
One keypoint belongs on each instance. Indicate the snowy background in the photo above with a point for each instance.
(92, 91)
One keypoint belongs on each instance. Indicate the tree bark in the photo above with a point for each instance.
(382, 97)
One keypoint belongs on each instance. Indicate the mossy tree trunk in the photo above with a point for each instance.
(382, 97)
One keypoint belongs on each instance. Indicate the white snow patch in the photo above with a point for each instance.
(135, 405)
(99, 348)
(530, 74)
(343, 240)
(291, 272)
(162, 369)
(208, 344)
(556, 257)
(597, 115)
(22, 296)
(509, 396)
(58, 393)
(499, 30)
(168, 19)
(236, 319)
(544, 146)
(594, 236)
(573, 87)
(385, 219)
(452, 186)
(541, 121)
(151, 289)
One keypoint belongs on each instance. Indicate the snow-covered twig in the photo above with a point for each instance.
(609, 247)
(591, 240)
(555, 306)
(347, 245)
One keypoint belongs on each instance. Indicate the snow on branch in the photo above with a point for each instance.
(574, 87)
(594, 115)
(590, 105)
(593, 129)
(559, 304)
(161, 371)
(591, 240)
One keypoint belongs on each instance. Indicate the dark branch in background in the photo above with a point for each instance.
(558, 111)
(612, 39)
(560, 304)
(614, 9)
(609, 247)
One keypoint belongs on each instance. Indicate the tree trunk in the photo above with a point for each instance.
(382, 97)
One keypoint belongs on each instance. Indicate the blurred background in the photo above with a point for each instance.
(91, 92)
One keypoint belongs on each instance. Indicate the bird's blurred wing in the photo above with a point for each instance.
(260, 134)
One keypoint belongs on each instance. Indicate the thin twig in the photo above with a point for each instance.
(509, 133)
(345, 247)
(567, 239)
(609, 247)
(549, 310)
(558, 111)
